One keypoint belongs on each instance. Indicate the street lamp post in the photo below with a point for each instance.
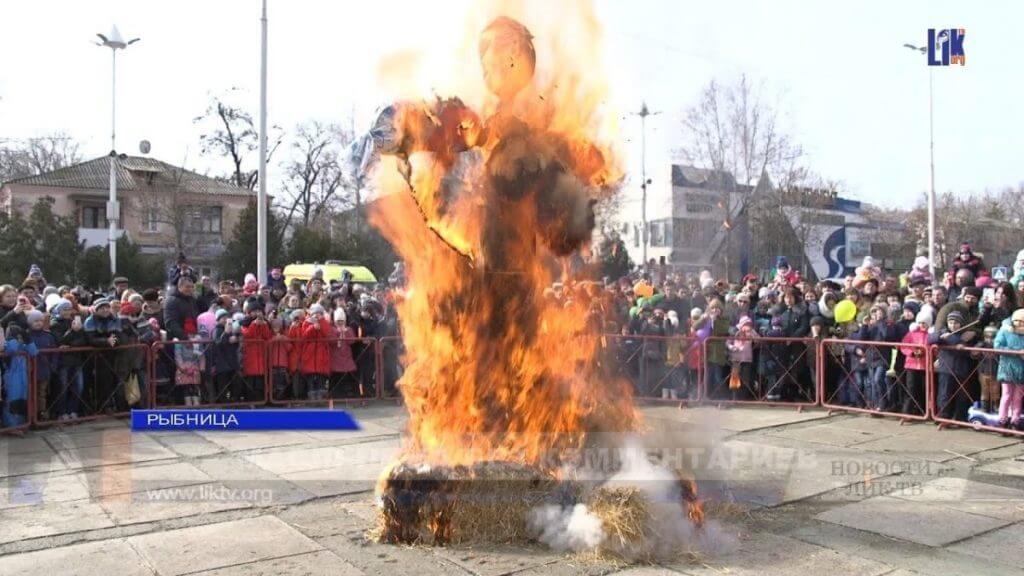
(261, 197)
(931, 151)
(115, 42)
(643, 114)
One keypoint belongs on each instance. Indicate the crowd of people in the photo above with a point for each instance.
(758, 339)
(669, 333)
(313, 340)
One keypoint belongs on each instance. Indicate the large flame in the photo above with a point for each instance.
(485, 198)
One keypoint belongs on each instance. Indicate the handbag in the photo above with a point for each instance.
(132, 394)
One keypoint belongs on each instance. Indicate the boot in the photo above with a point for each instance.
(665, 395)
(673, 394)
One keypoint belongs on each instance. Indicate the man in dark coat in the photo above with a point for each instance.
(181, 310)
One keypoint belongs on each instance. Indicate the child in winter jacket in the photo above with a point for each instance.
(47, 365)
(280, 353)
(17, 351)
(1011, 370)
(343, 367)
(914, 352)
(741, 355)
(315, 359)
(953, 368)
(988, 371)
(870, 362)
(225, 360)
(255, 335)
(190, 361)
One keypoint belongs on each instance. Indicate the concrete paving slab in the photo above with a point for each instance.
(1001, 546)
(62, 440)
(27, 522)
(237, 441)
(30, 463)
(735, 418)
(367, 429)
(177, 502)
(887, 426)
(104, 455)
(234, 471)
(341, 480)
(497, 560)
(763, 554)
(970, 496)
(911, 521)
(937, 445)
(220, 545)
(101, 558)
(830, 435)
(305, 459)
(187, 444)
(1010, 467)
(36, 489)
(20, 445)
(374, 558)
(123, 479)
(308, 564)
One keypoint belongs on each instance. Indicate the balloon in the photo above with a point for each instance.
(845, 311)
(633, 311)
(643, 289)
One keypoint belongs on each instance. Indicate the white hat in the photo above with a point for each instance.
(339, 315)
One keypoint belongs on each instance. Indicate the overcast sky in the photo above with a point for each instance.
(849, 93)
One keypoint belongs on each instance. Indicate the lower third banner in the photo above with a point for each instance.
(152, 420)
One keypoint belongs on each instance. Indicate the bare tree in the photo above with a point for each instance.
(316, 185)
(232, 134)
(19, 158)
(735, 132)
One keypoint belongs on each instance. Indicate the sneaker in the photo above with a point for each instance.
(73, 416)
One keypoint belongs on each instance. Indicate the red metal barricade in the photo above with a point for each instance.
(780, 371)
(87, 383)
(302, 385)
(183, 370)
(873, 378)
(18, 405)
(390, 350)
(660, 368)
(965, 380)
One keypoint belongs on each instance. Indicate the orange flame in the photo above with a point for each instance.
(480, 206)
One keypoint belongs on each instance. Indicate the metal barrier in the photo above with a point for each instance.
(87, 383)
(780, 371)
(660, 368)
(965, 381)
(390, 350)
(873, 378)
(205, 372)
(304, 384)
(17, 404)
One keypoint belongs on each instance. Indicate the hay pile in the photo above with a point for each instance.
(492, 503)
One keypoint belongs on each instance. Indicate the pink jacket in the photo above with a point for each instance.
(919, 337)
(740, 350)
(341, 351)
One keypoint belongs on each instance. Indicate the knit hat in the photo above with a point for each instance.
(1018, 315)
(763, 293)
(965, 246)
(221, 313)
(696, 313)
(250, 304)
(924, 317)
(99, 303)
(317, 309)
(52, 301)
(35, 270)
(181, 258)
(955, 315)
(33, 316)
(339, 315)
(912, 307)
(59, 306)
(744, 321)
(781, 262)
(297, 314)
(990, 331)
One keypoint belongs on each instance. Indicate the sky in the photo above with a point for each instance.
(845, 88)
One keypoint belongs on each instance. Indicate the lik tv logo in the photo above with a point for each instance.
(946, 47)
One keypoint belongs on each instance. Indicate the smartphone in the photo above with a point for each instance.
(988, 295)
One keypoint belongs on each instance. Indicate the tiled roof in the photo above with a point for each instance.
(691, 176)
(133, 173)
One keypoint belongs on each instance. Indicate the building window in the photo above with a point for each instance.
(94, 217)
(694, 233)
(661, 233)
(152, 222)
(203, 219)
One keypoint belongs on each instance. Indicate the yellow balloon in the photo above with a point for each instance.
(845, 311)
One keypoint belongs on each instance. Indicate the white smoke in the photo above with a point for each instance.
(670, 530)
(567, 529)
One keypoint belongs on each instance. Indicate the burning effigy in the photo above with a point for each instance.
(503, 386)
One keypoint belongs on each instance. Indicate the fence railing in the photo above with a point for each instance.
(952, 386)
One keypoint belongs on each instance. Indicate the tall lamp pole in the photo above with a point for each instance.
(261, 198)
(115, 42)
(931, 151)
(643, 114)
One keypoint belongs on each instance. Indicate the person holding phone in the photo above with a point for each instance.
(13, 308)
(1000, 302)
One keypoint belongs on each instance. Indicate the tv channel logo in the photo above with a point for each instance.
(946, 47)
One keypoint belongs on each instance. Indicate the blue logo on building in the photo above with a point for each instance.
(946, 47)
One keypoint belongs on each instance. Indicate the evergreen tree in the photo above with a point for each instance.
(615, 261)
(239, 255)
